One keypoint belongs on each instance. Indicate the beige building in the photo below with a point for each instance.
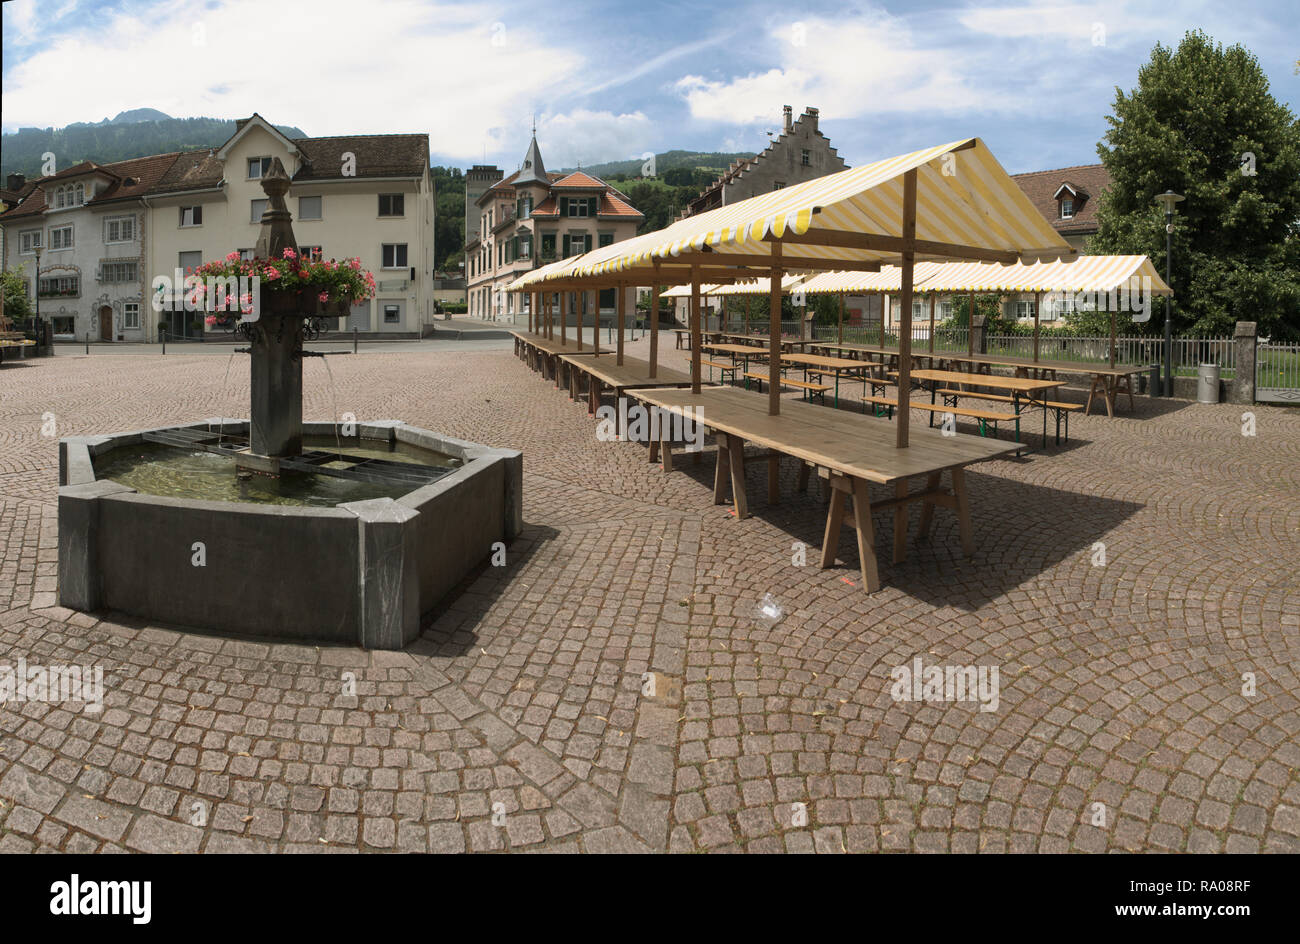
(534, 217)
(364, 196)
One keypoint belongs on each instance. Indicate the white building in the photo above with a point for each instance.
(364, 196)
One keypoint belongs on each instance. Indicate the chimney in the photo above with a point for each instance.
(16, 182)
(789, 118)
(810, 114)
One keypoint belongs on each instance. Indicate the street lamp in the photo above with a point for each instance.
(38, 299)
(1169, 200)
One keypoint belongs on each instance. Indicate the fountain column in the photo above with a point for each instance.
(276, 344)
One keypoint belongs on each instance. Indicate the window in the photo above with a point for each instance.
(119, 229)
(578, 206)
(608, 298)
(394, 204)
(548, 245)
(192, 216)
(309, 208)
(575, 244)
(64, 325)
(310, 252)
(246, 254)
(805, 157)
(606, 239)
(189, 261)
(256, 209)
(1024, 309)
(779, 185)
(61, 237)
(1067, 209)
(65, 285)
(392, 314)
(130, 315)
(29, 241)
(258, 167)
(525, 247)
(119, 272)
(81, 195)
(394, 256)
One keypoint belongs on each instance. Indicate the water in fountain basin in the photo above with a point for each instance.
(174, 472)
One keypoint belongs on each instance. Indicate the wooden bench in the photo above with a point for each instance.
(815, 389)
(722, 367)
(984, 417)
(1058, 407)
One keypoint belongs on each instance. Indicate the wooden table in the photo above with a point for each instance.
(542, 354)
(883, 354)
(1107, 381)
(765, 341)
(742, 351)
(835, 365)
(854, 452)
(602, 372)
(1032, 390)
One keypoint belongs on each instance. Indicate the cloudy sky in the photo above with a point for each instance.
(610, 80)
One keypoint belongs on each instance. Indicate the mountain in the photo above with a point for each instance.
(135, 133)
(715, 161)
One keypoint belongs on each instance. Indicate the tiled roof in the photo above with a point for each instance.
(377, 155)
(130, 180)
(611, 205)
(580, 181)
(192, 170)
(548, 207)
(1089, 180)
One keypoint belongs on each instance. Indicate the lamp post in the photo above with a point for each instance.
(38, 299)
(1169, 200)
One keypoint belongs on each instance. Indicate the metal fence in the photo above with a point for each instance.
(1277, 372)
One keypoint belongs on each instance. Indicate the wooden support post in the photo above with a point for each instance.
(883, 296)
(774, 328)
(1038, 300)
(564, 321)
(804, 470)
(773, 479)
(1112, 335)
(963, 511)
(834, 523)
(578, 297)
(654, 327)
(932, 299)
(622, 319)
(900, 521)
(722, 472)
(905, 315)
(927, 508)
(866, 534)
(695, 330)
(595, 323)
(970, 328)
(736, 465)
(839, 327)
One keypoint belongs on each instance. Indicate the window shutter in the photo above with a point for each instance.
(593, 202)
(566, 245)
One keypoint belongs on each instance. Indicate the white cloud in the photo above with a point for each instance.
(459, 71)
(848, 69)
(590, 137)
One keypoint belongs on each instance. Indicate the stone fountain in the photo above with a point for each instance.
(276, 529)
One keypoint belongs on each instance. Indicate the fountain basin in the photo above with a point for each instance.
(361, 572)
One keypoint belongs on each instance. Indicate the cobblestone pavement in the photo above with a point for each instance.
(1120, 683)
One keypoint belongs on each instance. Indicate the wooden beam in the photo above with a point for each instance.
(695, 331)
(564, 321)
(654, 326)
(1038, 300)
(839, 327)
(774, 353)
(792, 263)
(932, 322)
(905, 316)
(874, 242)
(622, 318)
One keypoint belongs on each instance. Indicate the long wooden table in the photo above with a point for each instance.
(836, 365)
(1106, 380)
(602, 372)
(1034, 391)
(542, 353)
(763, 340)
(854, 452)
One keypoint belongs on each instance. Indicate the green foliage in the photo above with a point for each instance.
(18, 306)
(449, 218)
(1189, 126)
(117, 140)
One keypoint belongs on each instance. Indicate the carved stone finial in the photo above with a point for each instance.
(277, 222)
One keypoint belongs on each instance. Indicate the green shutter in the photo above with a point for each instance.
(593, 202)
(566, 246)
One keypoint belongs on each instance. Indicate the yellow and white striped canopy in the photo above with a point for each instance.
(1084, 274)
(964, 197)
(684, 291)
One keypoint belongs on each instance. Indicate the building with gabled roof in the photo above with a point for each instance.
(533, 217)
(1068, 198)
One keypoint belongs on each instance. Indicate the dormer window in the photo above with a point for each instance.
(1067, 208)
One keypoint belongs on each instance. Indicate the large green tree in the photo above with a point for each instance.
(1202, 123)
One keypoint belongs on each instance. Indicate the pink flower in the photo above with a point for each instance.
(272, 273)
(289, 253)
(324, 296)
(210, 320)
(232, 256)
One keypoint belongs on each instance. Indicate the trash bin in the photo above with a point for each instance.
(1207, 384)
(1153, 380)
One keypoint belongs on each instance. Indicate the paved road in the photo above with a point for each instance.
(1122, 587)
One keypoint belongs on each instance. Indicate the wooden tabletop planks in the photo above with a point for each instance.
(850, 443)
(634, 372)
(1017, 384)
(550, 346)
